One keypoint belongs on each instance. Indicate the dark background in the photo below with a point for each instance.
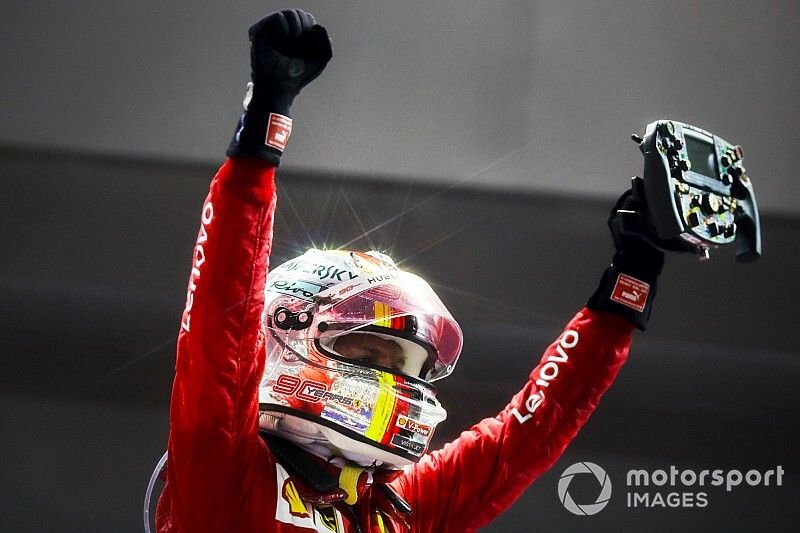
(482, 143)
(95, 282)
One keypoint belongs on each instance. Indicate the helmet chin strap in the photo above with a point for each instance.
(325, 450)
(312, 439)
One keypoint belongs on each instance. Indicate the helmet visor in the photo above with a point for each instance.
(394, 303)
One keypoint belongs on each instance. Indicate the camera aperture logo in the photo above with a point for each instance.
(662, 488)
(603, 497)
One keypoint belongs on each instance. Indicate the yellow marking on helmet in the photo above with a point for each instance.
(348, 480)
(383, 314)
(384, 406)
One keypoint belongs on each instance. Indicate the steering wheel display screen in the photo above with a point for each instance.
(701, 156)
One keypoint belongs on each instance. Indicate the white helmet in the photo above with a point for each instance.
(318, 398)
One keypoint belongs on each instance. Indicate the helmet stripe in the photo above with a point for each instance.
(382, 314)
(384, 406)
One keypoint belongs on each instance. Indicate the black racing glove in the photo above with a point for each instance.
(288, 51)
(628, 286)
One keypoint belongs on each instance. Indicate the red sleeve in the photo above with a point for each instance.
(479, 475)
(213, 442)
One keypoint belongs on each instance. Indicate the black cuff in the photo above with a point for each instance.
(265, 115)
(628, 287)
(250, 137)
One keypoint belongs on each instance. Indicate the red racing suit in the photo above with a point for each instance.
(223, 477)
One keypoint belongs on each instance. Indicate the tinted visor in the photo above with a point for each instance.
(395, 303)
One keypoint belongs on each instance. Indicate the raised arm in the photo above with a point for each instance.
(213, 441)
(480, 474)
(214, 409)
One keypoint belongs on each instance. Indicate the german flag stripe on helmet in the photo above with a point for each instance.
(384, 318)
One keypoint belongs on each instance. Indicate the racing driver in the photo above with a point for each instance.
(302, 397)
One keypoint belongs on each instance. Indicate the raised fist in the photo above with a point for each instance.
(289, 49)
